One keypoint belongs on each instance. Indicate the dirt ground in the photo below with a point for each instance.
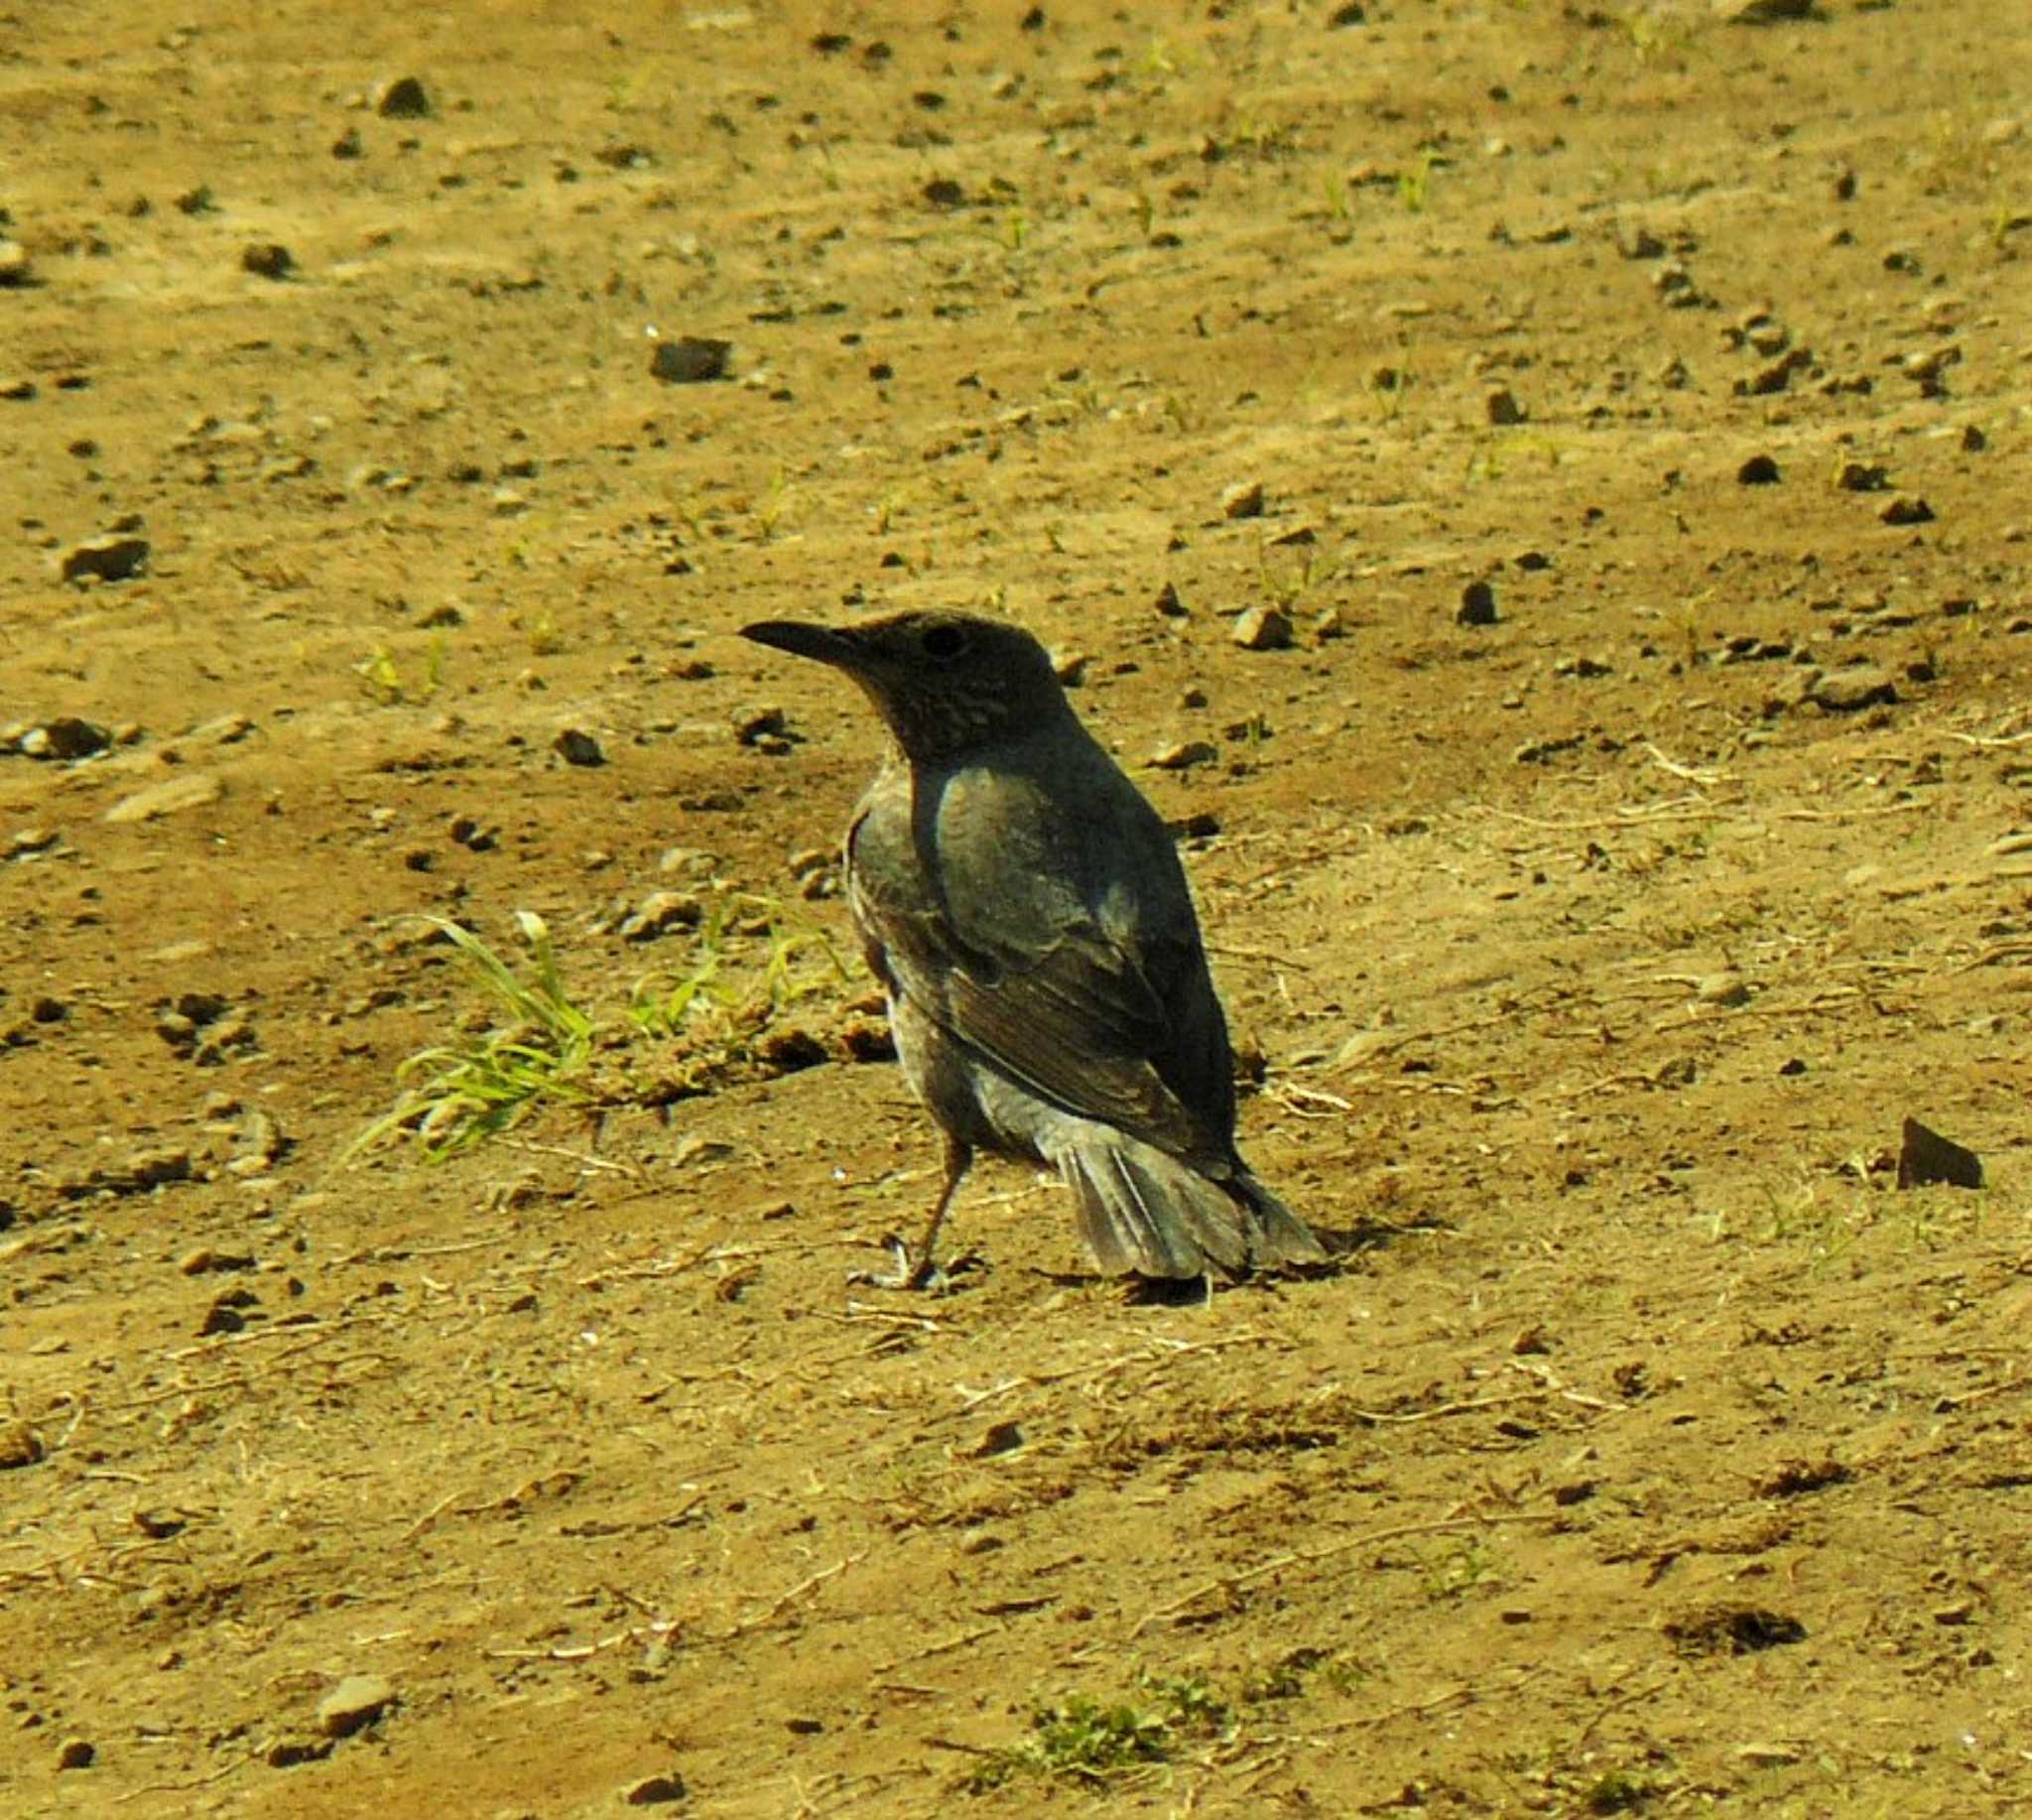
(1647, 1448)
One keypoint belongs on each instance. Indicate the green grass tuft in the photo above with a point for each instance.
(453, 1095)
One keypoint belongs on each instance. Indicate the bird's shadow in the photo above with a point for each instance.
(969, 1269)
(1346, 1241)
(1343, 1245)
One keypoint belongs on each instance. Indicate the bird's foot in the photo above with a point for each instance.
(908, 1274)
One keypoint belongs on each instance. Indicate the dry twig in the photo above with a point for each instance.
(1305, 1556)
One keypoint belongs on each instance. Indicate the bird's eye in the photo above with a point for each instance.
(944, 642)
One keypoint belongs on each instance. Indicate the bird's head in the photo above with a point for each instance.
(945, 683)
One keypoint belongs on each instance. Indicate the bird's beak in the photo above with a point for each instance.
(840, 649)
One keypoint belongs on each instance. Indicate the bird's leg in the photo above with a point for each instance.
(958, 1159)
(922, 1271)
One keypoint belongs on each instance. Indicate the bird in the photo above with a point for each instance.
(1024, 908)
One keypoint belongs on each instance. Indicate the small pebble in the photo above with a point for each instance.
(577, 747)
(1184, 754)
(1851, 688)
(659, 913)
(20, 1445)
(690, 359)
(267, 259)
(356, 1701)
(64, 737)
(753, 724)
(1261, 628)
(401, 97)
(1244, 499)
(104, 559)
(1477, 604)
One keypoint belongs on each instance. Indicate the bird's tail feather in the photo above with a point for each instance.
(1142, 1210)
(1281, 1235)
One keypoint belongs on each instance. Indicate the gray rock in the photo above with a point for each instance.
(577, 747)
(654, 1791)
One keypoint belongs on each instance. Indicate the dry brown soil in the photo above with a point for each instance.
(1647, 1449)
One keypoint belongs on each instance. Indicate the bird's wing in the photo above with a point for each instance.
(1111, 1035)
(1132, 1039)
(1101, 1005)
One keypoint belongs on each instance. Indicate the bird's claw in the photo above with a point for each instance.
(908, 1274)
